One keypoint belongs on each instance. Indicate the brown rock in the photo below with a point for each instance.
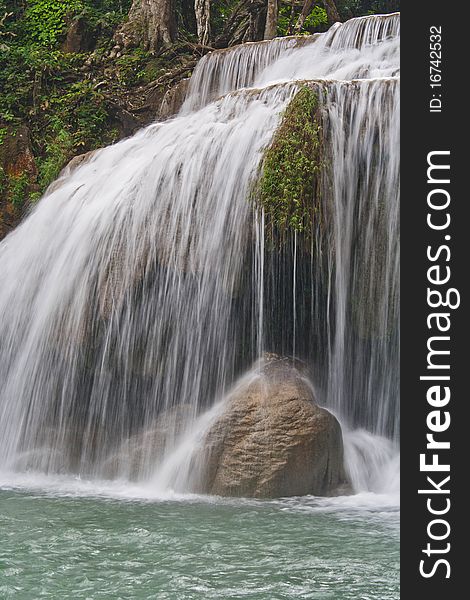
(173, 99)
(17, 170)
(79, 37)
(70, 168)
(16, 154)
(274, 441)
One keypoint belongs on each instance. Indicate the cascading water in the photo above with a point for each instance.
(362, 253)
(131, 302)
(141, 285)
(223, 71)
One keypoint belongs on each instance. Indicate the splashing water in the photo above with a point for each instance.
(141, 284)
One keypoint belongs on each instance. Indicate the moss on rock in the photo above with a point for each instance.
(288, 188)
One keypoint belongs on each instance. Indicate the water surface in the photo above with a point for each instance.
(69, 539)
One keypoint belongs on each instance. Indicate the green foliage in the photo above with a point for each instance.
(48, 90)
(77, 123)
(67, 100)
(316, 19)
(285, 20)
(356, 8)
(45, 20)
(58, 151)
(5, 33)
(153, 69)
(81, 112)
(29, 73)
(287, 189)
(103, 16)
(18, 189)
(132, 66)
(138, 66)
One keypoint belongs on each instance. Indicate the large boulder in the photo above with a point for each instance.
(273, 440)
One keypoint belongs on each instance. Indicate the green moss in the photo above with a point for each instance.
(288, 188)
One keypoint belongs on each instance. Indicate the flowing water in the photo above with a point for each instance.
(143, 285)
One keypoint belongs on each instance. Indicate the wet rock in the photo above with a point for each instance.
(173, 99)
(139, 456)
(70, 168)
(274, 441)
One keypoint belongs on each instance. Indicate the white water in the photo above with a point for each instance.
(362, 48)
(136, 286)
(372, 462)
(363, 253)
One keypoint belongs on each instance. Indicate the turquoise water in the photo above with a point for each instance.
(77, 540)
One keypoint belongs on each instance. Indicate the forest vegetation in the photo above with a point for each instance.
(81, 74)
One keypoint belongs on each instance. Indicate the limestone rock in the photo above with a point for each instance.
(70, 168)
(173, 99)
(139, 456)
(274, 441)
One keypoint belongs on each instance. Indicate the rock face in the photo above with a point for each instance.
(173, 99)
(79, 37)
(18, 173)
(138, 456)
(274, 441)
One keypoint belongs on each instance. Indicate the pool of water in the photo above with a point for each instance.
(71, 539)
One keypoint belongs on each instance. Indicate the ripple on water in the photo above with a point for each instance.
(72, 542)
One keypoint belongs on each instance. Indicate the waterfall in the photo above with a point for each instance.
(130, 296)
(363, 264)
(222, 71)
(142, 284)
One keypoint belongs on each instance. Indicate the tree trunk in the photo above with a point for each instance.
(202, 10)
(331, 12)
(306, 10)
(271, 20)
(151, 23)
(246, 24)
(256, 27)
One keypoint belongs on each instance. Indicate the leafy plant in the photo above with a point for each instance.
(132, 66)
(317, 18)
(18, 189)
(292, 165)
(45, 20)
